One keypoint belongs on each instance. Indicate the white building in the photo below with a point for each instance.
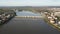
(59, 23)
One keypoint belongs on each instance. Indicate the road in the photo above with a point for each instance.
(27, 26)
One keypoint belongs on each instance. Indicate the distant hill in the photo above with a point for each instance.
(29, 6)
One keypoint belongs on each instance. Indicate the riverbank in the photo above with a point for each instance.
(53, 25)
(6, 15)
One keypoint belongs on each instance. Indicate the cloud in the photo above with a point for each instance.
(29, 3)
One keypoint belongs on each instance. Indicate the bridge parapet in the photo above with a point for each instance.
(29, 16)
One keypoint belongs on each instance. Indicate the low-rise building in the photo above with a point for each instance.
(51, 21)
(59, 23)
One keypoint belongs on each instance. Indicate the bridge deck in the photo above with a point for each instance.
(30, 16)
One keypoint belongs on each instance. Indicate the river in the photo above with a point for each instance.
(27, 25)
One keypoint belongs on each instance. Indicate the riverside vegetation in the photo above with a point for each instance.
(5, 15)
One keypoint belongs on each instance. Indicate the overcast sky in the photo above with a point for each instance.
(29, 2)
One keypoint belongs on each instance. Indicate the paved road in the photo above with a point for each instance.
(27, 26)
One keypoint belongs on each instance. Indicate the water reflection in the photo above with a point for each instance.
(27, 13)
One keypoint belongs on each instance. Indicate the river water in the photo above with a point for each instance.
(27, 25)
(27, 13)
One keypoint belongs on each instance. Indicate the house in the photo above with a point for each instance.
(51, 21)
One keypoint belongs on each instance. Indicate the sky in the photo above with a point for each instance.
(29, 2)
